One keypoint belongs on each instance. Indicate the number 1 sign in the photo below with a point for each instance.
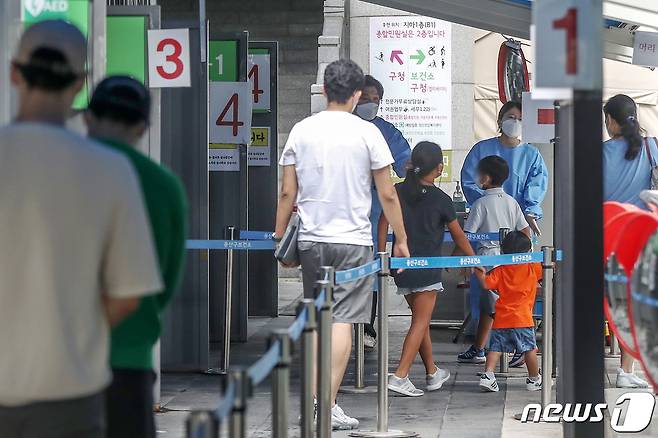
(230, 112)
(169, 58)
(568, 44)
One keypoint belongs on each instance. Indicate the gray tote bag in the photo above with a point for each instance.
(286, 252)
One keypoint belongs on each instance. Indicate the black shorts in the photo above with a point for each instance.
(129, 404)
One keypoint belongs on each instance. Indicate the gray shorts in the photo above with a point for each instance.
(72, 418)
(352, 301)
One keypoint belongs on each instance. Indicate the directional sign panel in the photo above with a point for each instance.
(259, 78)
(230, 112)
(410, 56)
(222, 61)
(169, 58)
(568, 44)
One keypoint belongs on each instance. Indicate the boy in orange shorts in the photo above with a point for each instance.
(513, 326)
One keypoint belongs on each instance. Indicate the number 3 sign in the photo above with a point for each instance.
(568, 43)
(169, 58)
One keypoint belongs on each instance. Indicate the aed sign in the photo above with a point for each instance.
(230, 112)
(169, 58)
(36, 7)
(568, 46)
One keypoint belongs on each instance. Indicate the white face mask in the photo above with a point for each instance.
(512, 128)
(367, 111)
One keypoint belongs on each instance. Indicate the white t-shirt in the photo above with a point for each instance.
(493, 211)
(334, 154)
(72, 227)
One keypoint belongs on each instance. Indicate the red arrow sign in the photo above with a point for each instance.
(395, 55)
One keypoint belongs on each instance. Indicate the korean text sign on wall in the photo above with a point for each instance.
(410, 56)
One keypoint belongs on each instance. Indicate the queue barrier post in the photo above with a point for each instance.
(359, 365)
(324, 352)
(238, 419)
(308, 364)
(228, 304)
(281, 385)
(503, 367)
(202, 424)
(547, 324)
(382, 359)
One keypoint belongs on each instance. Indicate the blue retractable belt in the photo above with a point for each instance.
(644, 299)
(244, 245)
(260, 369)
(297, 327)
(255, 235)
(465, 261)
(358, 272)
(620, 278)
(226, 404)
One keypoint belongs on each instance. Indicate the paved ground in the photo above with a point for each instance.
(459, 409)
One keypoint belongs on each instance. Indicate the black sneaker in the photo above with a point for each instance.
(518, 360)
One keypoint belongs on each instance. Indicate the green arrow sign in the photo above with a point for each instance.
(420, 56)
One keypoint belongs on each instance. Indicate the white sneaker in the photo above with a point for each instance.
(435, 381)
(369, 342)
(629, 380)
(533, 385)
(340, 420)
(403, 386)
(488, 382)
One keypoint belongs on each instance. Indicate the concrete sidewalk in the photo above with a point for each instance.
(459, 409)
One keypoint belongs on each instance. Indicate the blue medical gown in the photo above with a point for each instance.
(623, 180)
(528, 179)
(401, 152)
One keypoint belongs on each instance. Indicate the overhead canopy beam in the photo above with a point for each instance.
(640, 12)
(511, 19)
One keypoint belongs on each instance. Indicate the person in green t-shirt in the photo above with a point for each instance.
(118, 116)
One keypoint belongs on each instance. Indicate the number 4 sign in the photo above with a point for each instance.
(230, 112)
(568, 44)
(169, 58)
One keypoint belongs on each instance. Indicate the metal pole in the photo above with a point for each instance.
(547, 326)
(359, 365)
(503, 367)
(308, 364)
(228, 300)
(237, 426)
(281, 386)
(201, 424)
(324, 352)
(359, 357)
(382, 359)
(382, 328)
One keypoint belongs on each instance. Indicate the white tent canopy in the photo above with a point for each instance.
(513, 18)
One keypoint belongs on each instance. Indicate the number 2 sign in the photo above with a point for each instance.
(169, 58)
(568, 44)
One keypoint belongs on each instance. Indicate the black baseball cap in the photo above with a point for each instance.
(121, 98)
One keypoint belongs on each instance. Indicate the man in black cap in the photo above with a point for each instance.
(118, 116)
(76, 251)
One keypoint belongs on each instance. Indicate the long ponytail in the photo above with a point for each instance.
(425, 157)
(622, 109)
